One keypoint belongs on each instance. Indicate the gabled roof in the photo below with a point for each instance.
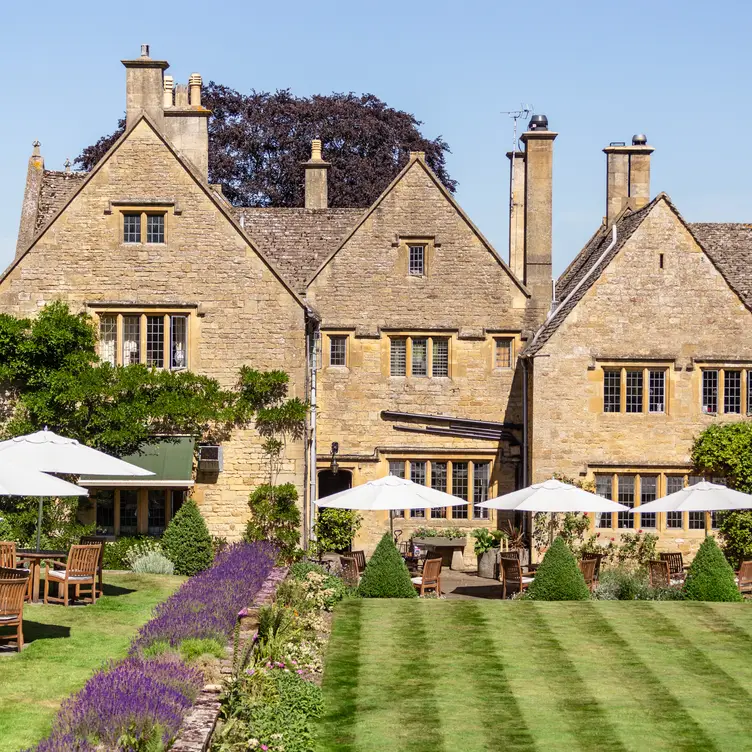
(586, 268)
(297, 239)
(729, 246)
(63, 198)
(419, 161)
(56, 188)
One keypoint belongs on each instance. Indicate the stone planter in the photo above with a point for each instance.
(453, 547)
(488, 564)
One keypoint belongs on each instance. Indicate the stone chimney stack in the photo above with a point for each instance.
(539, 151)
(627, 176)
(186, 121)
(144, 90)
(30, 206)
(517, 212)
(316, 191)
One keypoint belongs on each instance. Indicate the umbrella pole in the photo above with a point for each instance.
(705, 516)
(391, 524)
(551, 531)
(39, 522)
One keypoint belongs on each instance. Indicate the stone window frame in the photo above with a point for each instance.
(721, 398)
(627, 387)
(339, 336)
(145, 213)
(404, 243)
(105, 313)
(401, 467)
(607, 485)
(430, 338)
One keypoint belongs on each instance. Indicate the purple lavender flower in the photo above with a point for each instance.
(207, 604)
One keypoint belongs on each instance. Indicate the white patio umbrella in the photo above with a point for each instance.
(22, 481)
(47, 452)
(389, 493)
(701, 497)
(555, 497)
(50, 453)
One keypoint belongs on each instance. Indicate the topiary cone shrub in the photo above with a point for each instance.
(386, 575)
(187, 542)
(710, 577)
(558, 578)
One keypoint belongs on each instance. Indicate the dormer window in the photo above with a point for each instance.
(417, 260)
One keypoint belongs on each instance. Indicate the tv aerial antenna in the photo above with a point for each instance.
(516, 115)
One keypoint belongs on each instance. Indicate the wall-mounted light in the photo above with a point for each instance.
(334, 465)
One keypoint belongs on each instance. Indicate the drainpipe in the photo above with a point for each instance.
(527, 524)
(313, 351)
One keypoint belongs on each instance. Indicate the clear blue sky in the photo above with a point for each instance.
(677, 71)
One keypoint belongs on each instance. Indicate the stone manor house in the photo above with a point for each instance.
(425, 353)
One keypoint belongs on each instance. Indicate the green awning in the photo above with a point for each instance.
(170, 461)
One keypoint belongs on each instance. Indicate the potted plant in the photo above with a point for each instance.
(517, 542)
(487, 550)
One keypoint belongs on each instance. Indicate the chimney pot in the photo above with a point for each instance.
(168, 83)
(35, 151)
(194, 85)
(316, 150)
(67, 165)
(538, 123)
(639, 139)
(144, 50)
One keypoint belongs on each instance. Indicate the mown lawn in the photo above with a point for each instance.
(444, 676)
(64, 646)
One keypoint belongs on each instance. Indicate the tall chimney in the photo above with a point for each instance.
(316, 192)
(517, 212)
(539, 151)
(627, 176)
(143, 88)
(186, 122)
(30, 206)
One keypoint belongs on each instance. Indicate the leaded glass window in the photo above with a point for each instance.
(674, 483)
(657, 393)
(732, 391)
(128, 512)
(634, 391)
(417, 260)
(155, 341)
(337, 350)
(626, 496)
(440, 364)
(420, 357)
(131, 340)
(108, 339)
(603, 487)
(481, 478)
(132, 228)
(157, 513)
(710, 391)
(398, 356)
(105, 501)
(155, 226)
(460, 488)
(439, 482)
(503, 352)
(418, 475)
(648, 492)
(611, 391)
(178, 342)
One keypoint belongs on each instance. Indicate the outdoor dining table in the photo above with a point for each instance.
(35, 561)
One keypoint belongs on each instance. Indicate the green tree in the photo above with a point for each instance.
(710, 577)
(258, 141)
(725, 450)
(558, 578)
(386, 575)
(186, 541)
(336, 528)
(275, 517)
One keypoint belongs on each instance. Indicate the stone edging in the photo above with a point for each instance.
(198, 726)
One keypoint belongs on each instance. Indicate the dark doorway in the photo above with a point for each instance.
(332, 483)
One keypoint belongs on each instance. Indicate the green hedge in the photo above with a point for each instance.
(386, 575)
(187, 542)
(558, 578)
(710, 577)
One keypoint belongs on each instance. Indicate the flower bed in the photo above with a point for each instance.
(141, 701)
(207, 604)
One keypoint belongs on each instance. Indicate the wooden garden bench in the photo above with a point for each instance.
(14, 583)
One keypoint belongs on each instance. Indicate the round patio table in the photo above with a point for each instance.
(35, 560)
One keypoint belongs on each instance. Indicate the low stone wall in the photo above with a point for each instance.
(198, 726)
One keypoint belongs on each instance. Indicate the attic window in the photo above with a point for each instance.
(416, 266)
(138, 225)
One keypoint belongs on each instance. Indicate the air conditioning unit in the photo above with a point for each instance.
(210, 458)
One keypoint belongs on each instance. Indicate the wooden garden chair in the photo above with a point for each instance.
(511, 576)
(8, 554)
(660, 574)
(360, 560)
(431, 577)
(14, 584)
(96, 540)
(745, 578)
(598, 558)
(675, 564)
(79, 571)
(349, 567)
(587, 567)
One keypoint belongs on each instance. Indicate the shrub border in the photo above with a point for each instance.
(199, 723)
